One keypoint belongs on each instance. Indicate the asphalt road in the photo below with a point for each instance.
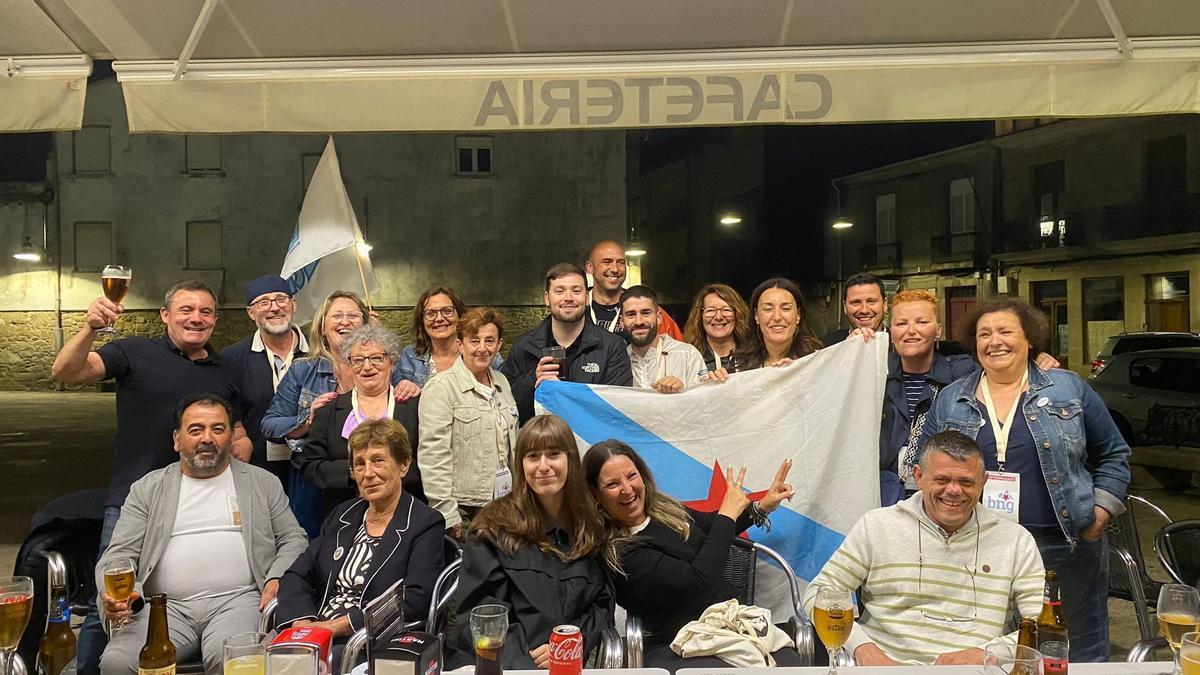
(53, 443)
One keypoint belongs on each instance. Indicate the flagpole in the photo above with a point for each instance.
(361, 275)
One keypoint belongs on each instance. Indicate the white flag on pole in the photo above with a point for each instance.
(327, 252)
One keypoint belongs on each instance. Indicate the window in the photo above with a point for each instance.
(93, 246)
(202, 153)
(1103, 311)
(473, 155)
(885, 219)
(1049, 183)
(1167, 305)
(93, 150)
(1166, 167)
(1051, 298)
(204, 245)
(962, 215)
(1178, 374)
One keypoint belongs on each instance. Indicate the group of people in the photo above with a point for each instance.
(321, 468)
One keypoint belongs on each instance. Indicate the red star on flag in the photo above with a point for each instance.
(716, 494)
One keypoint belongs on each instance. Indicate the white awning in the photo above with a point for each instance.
(43, 75)
(413, 65)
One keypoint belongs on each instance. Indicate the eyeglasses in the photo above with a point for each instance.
(266, 303)
(943, 618)
(446, 312)
(347, 316)
(710, 312)
(377, 360)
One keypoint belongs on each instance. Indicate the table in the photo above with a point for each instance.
(1157, 668)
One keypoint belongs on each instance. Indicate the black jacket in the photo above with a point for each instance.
(325, 459)
(258, 388)
(597, 357)
(669, 582)
(540, 591)
(411, 549)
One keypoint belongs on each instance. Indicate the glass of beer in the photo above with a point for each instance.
(1189, 653)
(833, 614)
(118, 583)
(246, 654)
(1178, 613)
(115, 282)
(16, 602)
(489, 626)
(1001, 658)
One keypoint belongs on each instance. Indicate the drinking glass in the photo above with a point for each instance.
(119, 579)
(489, 626)
(1000, 658)
(1178, 613)
(246, 654)
(115, 282)
(1189, 653)
(559, 354)
(833, 615)
(16, 602)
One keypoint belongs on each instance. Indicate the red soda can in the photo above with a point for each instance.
(566, 650)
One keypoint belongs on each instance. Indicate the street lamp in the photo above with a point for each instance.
(28, 251)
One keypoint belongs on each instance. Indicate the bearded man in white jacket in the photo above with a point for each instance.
(939, 574)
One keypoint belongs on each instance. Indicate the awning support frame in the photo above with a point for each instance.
(189, 46)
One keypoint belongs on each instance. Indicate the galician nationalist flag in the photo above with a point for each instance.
(327, 252)
(822, 412)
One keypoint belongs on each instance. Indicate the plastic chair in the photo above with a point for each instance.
(739, 572)
(1127, 577)
(1178, 547)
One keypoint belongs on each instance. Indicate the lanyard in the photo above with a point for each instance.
(277, 373)
(660, 369)
(716, 358)
(391, 413)
(609, 326)
(1001, 432)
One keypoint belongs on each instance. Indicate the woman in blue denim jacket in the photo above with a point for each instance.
(1055, 434)
(311, 383)
(435, 331)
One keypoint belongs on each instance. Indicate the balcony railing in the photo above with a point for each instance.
(1116, 222)
(881, 255)
(957, 246)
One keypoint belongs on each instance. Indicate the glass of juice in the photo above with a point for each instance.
(246, 654)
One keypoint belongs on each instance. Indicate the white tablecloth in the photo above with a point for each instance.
(1075, 669)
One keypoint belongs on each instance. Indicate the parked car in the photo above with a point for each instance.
(1153, 396)
(1140, 342)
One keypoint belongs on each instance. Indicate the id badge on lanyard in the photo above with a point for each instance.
(503, 482)
(1002, 492)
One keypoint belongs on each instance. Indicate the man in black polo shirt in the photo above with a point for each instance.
(593, 356)
(153, 375)
(262, 358)
(864, 305)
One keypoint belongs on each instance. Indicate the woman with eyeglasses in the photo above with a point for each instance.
(717, 325)
(435, 332)
(312, 383)
(369, 352)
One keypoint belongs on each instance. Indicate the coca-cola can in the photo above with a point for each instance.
(566, 650)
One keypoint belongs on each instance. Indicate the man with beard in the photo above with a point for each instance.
(658, 362)
(212, 533)
(593, 356)
(262, 359)
(606, 264)
(864, 306)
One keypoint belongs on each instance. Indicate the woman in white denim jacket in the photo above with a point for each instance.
(468, 421)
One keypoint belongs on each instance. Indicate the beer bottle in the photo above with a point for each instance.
(158, 654)
(57, 648)
(1026, 637)
(1052, 629)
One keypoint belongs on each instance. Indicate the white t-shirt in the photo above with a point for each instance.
(206, 556)
(668, 357)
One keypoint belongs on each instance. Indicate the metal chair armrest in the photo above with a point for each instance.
(634, 644)
(443, 592)
(266, 622)
(355, 646)
(1140, 605)
(805, 635)
(1142, 648)
(612, 649)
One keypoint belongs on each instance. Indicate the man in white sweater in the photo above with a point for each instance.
(938, 574)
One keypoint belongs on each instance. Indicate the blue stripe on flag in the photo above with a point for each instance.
(805, 543)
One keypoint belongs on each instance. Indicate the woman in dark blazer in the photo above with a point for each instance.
(371, 351)
(367, 544)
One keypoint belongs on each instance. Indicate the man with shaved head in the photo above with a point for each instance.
(606, 264)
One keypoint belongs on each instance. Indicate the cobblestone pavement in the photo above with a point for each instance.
(54, 443)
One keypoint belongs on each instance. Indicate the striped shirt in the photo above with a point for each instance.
(927, 593)
(351, 578)
(914, 390)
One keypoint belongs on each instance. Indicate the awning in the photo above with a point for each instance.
(44, 75)
(461, 65)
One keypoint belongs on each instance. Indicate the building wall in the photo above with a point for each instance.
(492, 238)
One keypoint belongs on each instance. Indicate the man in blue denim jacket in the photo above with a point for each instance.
(1057, 435)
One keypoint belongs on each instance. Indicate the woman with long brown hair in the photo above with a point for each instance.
(717, 325)
(780, 333)
(536, 550)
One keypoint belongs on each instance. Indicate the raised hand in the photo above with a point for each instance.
(735, 500)
(780, 489)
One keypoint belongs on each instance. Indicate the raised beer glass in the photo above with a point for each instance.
(16, 602)
(115, 282)
(833, 614)
(1178, 613)
(489, 626)
(118, 583)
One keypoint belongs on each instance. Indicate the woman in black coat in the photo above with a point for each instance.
(670, 558)
(367, 544)
(371, 352)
